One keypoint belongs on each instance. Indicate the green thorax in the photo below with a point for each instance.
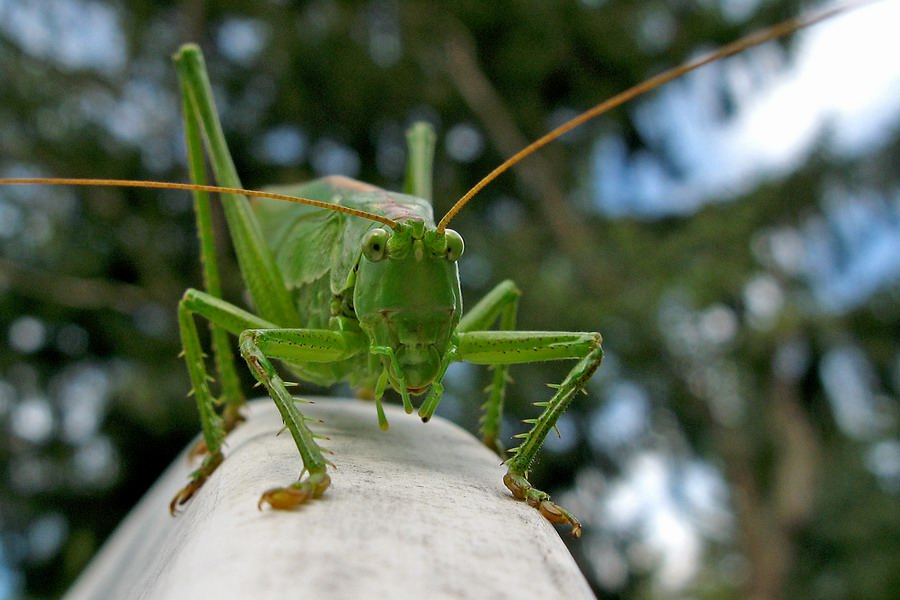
(405, 296)
(407, 299)
(316, 249)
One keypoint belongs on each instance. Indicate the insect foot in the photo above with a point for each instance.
(551, 511)
(289, 498)
(198, 478)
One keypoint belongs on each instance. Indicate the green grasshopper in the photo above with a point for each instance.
(353, 283)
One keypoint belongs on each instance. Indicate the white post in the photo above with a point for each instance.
(418, 511)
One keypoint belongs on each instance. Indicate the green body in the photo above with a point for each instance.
(319, 254)
(339, 297)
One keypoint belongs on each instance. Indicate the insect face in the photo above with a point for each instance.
(407, 299)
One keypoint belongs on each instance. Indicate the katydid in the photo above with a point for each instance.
(353, 283)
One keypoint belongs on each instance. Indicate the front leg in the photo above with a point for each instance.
(258, 346)
(508, 347)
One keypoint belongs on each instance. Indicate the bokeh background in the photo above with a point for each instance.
(735, 236)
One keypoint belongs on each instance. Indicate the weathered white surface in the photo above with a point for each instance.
(417, 512)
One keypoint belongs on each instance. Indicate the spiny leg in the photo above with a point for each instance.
(228, 318)
(258, 346)
(259, 270)
(523, 456)
(501, 302)
(271, 298)
(310, 452)
(210, 421)
(230, 394)
(507, 347)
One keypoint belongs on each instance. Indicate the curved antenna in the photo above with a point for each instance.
(754, 39)
(199, 188)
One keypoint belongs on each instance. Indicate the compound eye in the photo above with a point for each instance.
(455, 245)
(375, 244)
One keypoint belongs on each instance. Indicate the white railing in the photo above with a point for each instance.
(419, 511)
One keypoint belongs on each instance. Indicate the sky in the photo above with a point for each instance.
(843, 79)
(842, 85)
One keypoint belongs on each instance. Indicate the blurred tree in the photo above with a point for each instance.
(753, 394)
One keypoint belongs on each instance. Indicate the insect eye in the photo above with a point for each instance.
(455, 245)
(375, 244)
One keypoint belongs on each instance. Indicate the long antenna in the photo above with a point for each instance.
(749, 41)
(199, 188)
